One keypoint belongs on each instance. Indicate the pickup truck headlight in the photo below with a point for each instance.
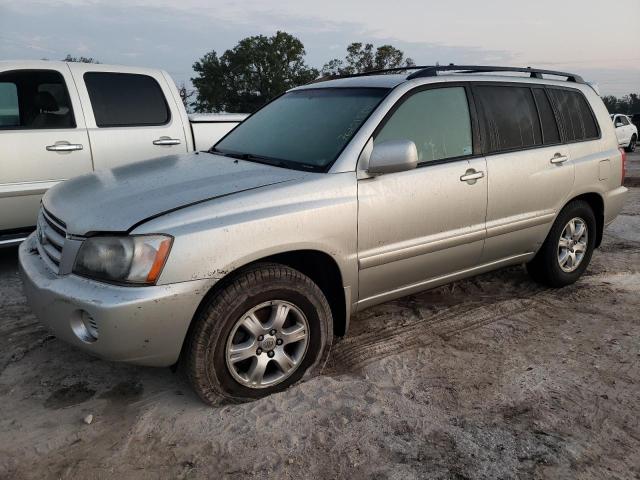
(136, 259)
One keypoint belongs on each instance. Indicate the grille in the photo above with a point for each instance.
(51, 235)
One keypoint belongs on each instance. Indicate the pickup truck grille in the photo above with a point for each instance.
(51, 234)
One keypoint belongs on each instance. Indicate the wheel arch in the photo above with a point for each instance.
(321, 267)
(596, 203)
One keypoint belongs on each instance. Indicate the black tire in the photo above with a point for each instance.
(545, 267)
(206, 364)
(632, 145)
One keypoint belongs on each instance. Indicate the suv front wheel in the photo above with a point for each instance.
(264, 330)
(567, 250)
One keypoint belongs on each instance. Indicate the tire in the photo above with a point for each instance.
(546, 266)
(632, 144)
(257, 293)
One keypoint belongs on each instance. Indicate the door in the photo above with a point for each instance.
(530, 169)
(131, 116)
(43, 140)
(421, 224)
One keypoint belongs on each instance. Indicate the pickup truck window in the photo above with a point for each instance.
(9, 111)
(34, 99)
(304, 129)
(126, 100)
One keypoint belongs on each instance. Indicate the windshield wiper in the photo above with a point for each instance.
(276, 162)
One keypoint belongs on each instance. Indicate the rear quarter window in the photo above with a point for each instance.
(576, 119)
(126, 100)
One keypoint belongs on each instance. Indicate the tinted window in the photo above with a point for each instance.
(576, 119)
(123, 99)
(550, 133)
(304, 128)
(510, 117)
(9, 111)
(436, 120)
(34, 99)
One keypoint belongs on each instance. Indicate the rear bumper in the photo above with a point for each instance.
(613, 203)
(140, 325)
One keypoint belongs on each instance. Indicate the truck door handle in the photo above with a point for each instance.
(166, 141)
(64, 147)
(471, 176)
(559, 158)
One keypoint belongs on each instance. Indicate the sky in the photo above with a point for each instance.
(597, 39)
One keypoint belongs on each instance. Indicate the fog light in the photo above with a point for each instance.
(84, 326)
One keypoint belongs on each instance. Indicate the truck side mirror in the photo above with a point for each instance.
(393, 156)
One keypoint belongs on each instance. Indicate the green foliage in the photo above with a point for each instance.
(69, 58)
(363, 58)
(255, 71)
(628, 104)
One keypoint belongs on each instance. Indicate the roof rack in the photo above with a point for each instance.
(432, 71)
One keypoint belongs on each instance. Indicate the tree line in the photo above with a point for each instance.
(259, 68)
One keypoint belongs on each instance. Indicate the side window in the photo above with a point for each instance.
(436, 120)
(510, 117)
(575, 116)
(550, 133)
(34, 99)
(126, 100)
(9, 110)
(624, 120)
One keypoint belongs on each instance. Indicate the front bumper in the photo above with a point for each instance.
(140, 325)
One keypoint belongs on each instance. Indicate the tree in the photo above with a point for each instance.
(628, 104)
(363, 58)
(256, 70)
(185, 95)
(69, 58)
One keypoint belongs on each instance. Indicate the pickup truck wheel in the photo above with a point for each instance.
(632, 144)
(567, 250)
(266, 329)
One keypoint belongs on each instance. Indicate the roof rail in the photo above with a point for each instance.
(432, 71)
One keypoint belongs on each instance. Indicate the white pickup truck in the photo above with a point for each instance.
(59, 120)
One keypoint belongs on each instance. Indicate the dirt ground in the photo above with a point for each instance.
(493, 377)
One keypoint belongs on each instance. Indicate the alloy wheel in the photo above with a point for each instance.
(572, 245)
(267, 344)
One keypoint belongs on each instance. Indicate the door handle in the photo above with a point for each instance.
(559, 158)
(166, 141)
(64, 147)
(471, 176)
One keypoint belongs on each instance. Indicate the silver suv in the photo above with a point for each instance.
(246, 260)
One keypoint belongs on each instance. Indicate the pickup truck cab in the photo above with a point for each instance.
(59, 120)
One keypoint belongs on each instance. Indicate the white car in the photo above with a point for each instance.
(626, 131)
(59, 120)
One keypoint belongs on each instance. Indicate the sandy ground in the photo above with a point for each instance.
(493, 377)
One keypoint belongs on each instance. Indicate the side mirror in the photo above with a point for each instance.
(393, 156)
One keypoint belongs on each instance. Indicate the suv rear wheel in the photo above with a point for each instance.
(267, 328)
(632, 144)
(567, 250)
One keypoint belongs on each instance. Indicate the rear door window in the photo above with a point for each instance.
(510, 117)
(436, 120)
(126, 100)
(34, 99)
(576, 119)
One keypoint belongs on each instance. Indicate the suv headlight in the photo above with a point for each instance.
(136, 259)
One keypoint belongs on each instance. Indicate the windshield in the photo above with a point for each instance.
(304, 129)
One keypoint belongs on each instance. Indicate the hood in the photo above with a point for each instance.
(118, 199)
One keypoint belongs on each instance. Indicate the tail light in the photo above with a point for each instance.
(624, 165)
